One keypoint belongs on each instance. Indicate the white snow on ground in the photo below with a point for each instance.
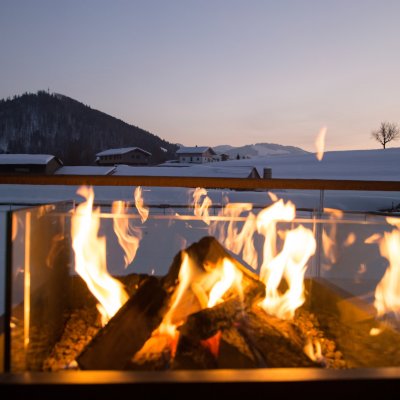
(379, 165)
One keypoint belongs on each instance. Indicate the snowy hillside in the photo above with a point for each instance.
(379, 165)
(258, 149)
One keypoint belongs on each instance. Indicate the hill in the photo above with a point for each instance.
(74, 132)
(259, 150)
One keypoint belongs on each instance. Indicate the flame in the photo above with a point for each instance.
(128, 238)
(374, 238)
(143, 211)
(229, 274)
(320, 143)
(239, 241)
(313, 350)
(329, 246)
(350, 240)
(329, 237)
(266, 225)
(202, 210)
(90, 257)
(273, 196)
(387, 292)
(290, 264)
(206, 286)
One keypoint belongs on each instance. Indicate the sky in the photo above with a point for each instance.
(214, 72)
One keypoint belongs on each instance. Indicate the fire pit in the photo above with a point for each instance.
(231, 296)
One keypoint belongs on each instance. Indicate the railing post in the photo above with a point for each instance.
(318, 233)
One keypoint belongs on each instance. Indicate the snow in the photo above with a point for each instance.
(25, 158)
(193, 150)
(123, 150)
(198, 170)
(84, 170)
(377, 165)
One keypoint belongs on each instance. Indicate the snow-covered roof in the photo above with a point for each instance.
(190, 170)
(195, 150)
(84, 170)
(17, 159)
(123, 150)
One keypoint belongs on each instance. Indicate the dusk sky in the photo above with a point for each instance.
(214, 72)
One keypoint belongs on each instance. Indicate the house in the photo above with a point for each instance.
(191, 170)
(41, 164)
(196, 155)
(127, 156)
(86, 170)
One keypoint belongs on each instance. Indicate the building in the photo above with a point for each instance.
(196, 155)
(41, 164)
(127, 156)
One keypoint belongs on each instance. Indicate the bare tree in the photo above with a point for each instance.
(387, 132)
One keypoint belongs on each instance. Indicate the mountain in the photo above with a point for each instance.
(56, 124)
(258, 149)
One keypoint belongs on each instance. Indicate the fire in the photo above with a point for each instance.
(90, 257)
(228, 276)
(387, 292)
(313, 350)
(320, 143)
(139, 203)
(350, 240)
(202, 210)
(237, 240)
(198, 288)
(329, 236)
(291, 264)
(266, 226)
(128, 237)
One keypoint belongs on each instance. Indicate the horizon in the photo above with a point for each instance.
(229, 72)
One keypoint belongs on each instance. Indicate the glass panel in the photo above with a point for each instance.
(47, 292)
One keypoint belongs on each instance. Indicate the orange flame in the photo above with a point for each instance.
(387, 292)
(128, 237)
(202, 210)
(290, 264)
(313, 350)
(143, 211)
(90, 257)
(238, 241)
(266, 226)
(320, 143)
(350, 240)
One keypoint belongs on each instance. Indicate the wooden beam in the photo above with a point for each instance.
(185, 181)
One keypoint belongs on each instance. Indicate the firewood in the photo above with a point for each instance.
(278, 341)
(206, 323)
(127, 331)
(191, 354)
(206, 254)
(235, 351)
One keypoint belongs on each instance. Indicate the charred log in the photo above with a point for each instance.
(127, 331)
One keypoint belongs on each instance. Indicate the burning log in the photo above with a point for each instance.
(127, 331)
(249, 338)
(209, 252)
(206, 269)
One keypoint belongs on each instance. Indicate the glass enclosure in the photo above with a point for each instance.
(342, 271)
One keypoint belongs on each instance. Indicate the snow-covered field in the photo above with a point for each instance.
(379, 165)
